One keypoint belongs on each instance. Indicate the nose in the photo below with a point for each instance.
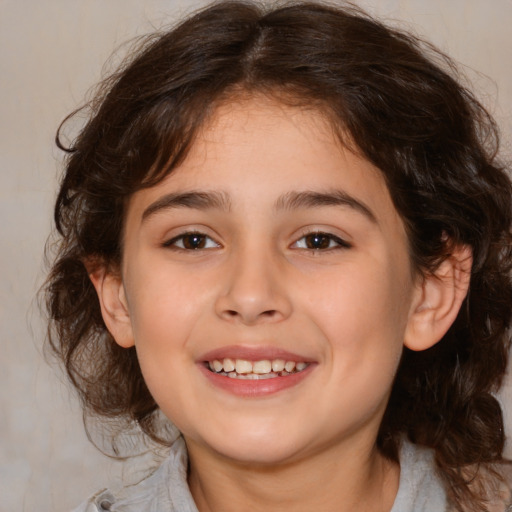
(255, 289)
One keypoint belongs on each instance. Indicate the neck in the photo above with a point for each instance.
(352, 477)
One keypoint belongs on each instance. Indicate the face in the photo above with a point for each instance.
(268, 287)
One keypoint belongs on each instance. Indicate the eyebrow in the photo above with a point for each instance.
(193, 199)
(294, 200)
(310, 199)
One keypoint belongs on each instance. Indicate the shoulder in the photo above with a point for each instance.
(420, 487)
(165, 490)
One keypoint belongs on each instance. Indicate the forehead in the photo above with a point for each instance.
(256, 150)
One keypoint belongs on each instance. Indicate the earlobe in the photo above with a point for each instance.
(438, 299)
(114, 307)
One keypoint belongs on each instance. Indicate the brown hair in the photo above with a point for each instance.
(398, 100)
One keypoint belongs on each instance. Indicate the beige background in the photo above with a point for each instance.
(51, 52)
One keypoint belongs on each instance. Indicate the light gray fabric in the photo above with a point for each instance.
(166, 490)
(420, 489)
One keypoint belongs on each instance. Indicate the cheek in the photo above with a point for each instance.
(363, 313)
(364, 329)
(163, 317)
(164, 303)
(360, 299)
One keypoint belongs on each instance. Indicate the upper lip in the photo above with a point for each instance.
(251, 353)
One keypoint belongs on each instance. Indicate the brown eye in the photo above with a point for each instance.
(321, 241)
(317, 241)
(192, 242)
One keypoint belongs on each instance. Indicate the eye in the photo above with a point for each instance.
(192, 242)
(321, 241)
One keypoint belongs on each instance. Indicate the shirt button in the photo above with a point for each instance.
(105, 505)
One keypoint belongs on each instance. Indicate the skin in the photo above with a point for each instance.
(257, 281)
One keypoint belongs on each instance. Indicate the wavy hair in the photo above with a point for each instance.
(401, 103)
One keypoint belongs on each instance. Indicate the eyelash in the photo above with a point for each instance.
(201, 238)
(173, 242)
(329, 237)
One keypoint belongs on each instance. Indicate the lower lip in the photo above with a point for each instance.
(258, 387)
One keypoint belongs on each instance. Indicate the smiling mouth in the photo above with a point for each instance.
(255, 370)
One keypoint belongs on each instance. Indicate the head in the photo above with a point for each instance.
(394, 114)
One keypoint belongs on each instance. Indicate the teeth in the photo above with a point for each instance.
(263, 369)
(268, 376)
(289, 366)
(229, 365)
(215, 366)
(278, 365)
(243, 366)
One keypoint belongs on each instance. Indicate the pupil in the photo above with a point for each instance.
(194, 241)
(317, 241)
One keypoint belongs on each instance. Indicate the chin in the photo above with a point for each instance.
(257, 447)
(260, 454)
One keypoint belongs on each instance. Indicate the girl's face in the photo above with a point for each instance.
(271, 245)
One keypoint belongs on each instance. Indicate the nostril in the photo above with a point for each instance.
(269, 313)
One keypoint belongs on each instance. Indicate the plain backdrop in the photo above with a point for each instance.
(51, 53)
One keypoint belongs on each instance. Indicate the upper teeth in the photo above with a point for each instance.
(243, 366)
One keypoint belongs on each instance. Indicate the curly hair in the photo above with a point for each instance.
(401, 103)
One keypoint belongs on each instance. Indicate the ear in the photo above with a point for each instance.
(437, 300)
(114, 307)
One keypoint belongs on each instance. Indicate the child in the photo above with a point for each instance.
(286, 230)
